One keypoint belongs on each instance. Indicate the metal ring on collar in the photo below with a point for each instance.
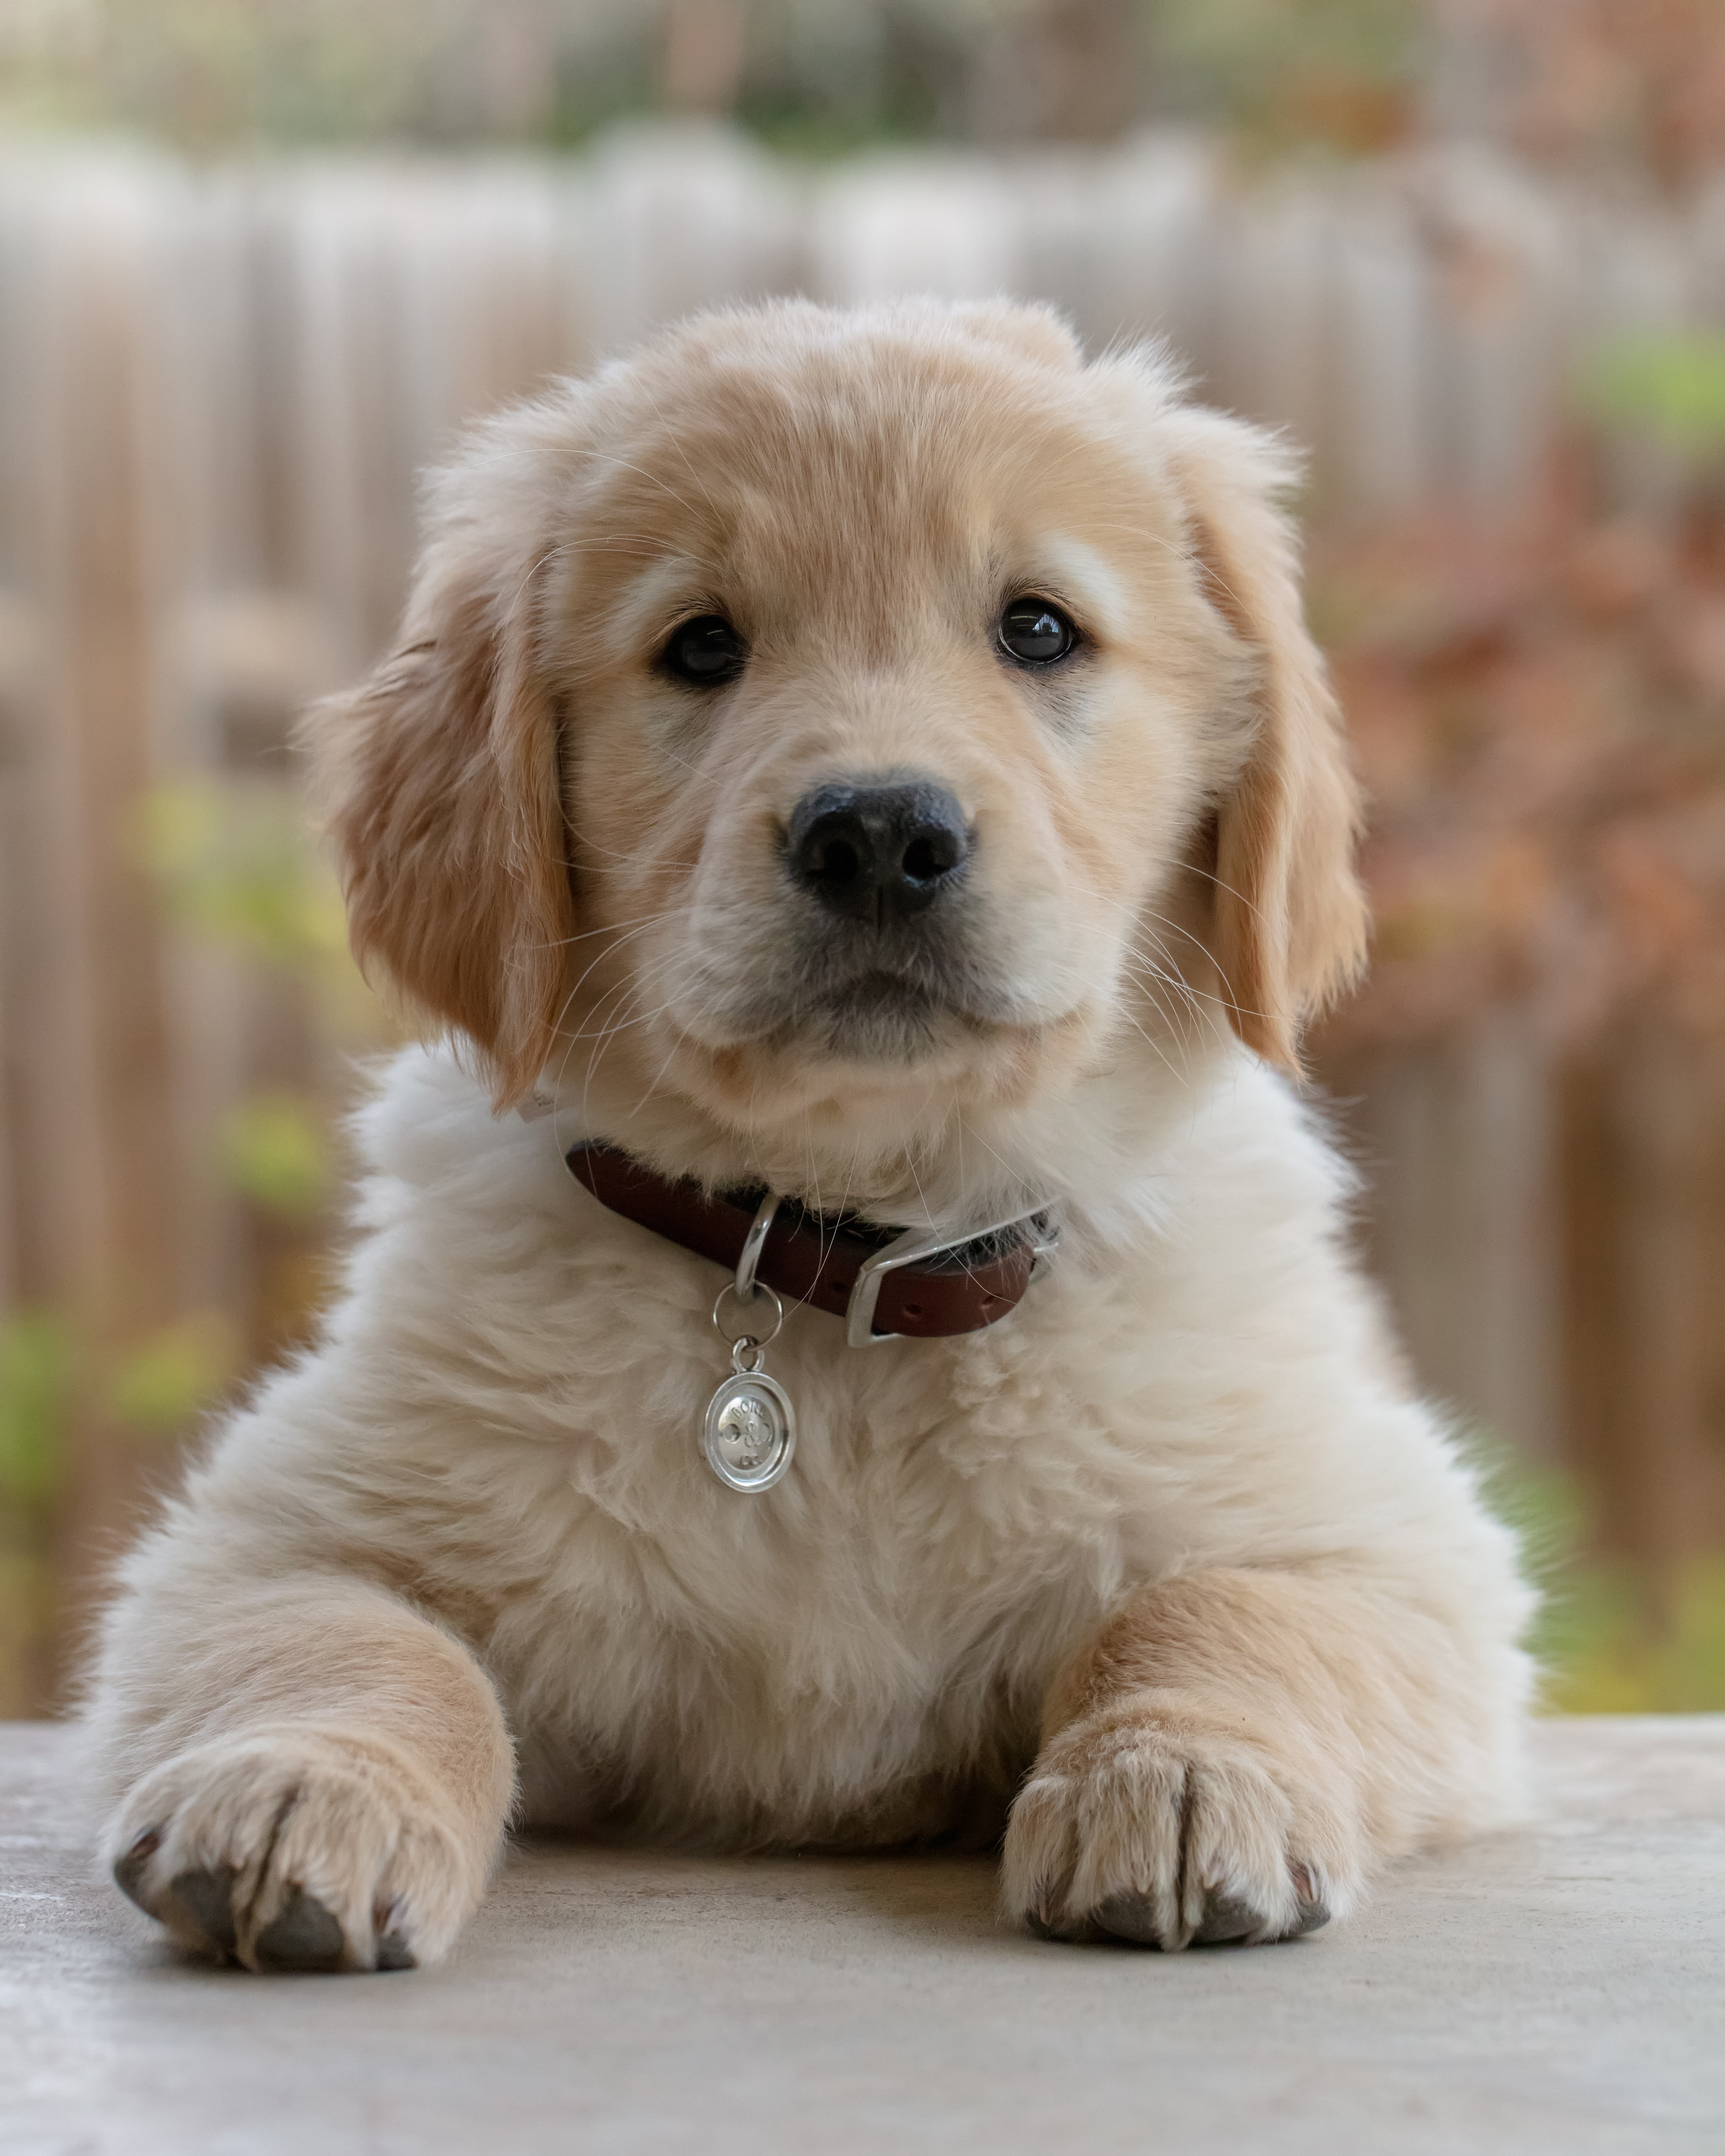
(759, 1339)
(752, 1245)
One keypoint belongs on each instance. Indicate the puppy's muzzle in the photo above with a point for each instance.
(879, 853)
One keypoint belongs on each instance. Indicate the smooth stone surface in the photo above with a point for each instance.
(1561, 1989)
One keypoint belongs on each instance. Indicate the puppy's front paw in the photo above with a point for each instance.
(296, 1849)
(1139, 1825)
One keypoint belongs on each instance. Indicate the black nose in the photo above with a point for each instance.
(877, 853)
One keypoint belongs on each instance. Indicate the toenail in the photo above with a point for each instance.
(129, 1870)
(388, 1923)
(207, 1896)
(1314, 1909)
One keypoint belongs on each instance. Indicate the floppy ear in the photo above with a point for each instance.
(439, 780)
(1289, 915)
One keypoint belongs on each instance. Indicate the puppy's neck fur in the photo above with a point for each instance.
(1088, 1148)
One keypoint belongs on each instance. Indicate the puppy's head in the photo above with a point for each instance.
(831, 721)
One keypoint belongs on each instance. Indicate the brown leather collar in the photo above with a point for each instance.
(884, 1282)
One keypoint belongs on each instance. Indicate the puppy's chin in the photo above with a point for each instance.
(876, 1070)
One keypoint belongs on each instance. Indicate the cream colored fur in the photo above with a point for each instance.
(1172, 1556)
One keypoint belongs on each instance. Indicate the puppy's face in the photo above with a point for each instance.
(859, 720)
(892, 703)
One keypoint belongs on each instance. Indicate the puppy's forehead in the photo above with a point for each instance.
(874, 471)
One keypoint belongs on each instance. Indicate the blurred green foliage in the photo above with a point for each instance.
(208, 72)
(275, 1152)
(1615, 1645)
(1578, 85)
(1228, 43)
(36, 1366)
(1330, 75)
(1611, 1638)
(237, 867)
(233, 862)
(1670, 385)
(164, 1382)
(236, 864)
(811, 77)
(53, 1371)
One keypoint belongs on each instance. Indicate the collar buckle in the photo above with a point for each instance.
(922, 1243)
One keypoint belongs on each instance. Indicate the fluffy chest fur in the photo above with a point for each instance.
(503, 1421)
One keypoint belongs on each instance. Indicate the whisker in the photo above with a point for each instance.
(562, 942)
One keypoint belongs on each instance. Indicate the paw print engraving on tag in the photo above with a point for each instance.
(746, 1432)
(750, 1432)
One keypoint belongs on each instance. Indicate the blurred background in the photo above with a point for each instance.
(259, 257)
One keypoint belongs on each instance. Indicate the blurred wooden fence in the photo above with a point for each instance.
(216, 389)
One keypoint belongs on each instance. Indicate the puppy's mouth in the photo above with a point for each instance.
(883, 1017)
(874, 1012)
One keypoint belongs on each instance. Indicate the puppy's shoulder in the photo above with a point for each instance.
(1234, 1153)
(1270, 1148)
(427, 1141)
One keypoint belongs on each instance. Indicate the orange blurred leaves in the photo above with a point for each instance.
(1538, 711)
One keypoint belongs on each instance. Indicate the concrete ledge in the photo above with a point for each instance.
(1560, 1989)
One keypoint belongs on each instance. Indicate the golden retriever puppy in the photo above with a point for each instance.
(851, 1340)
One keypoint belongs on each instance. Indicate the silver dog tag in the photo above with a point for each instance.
(750, 1433)
(751, 1430)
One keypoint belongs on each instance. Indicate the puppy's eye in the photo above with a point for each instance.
(707, 653)
(1035, 632)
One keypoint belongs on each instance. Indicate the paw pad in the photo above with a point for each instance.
(1131, 1916)
(303, 1934)
(1225, 1918)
